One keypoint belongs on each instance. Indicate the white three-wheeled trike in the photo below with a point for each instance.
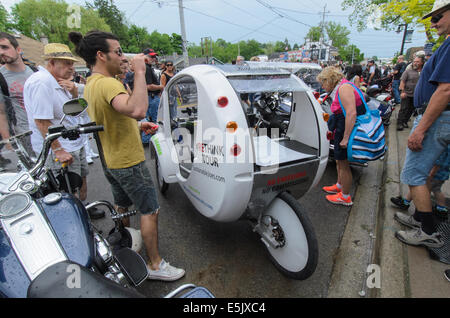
(245, 144)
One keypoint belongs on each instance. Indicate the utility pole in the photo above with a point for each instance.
(322, 35)
(183, 33)
(353, 53)
(404, 37)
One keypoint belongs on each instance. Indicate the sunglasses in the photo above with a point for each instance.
(435, 19)
(169, 64)
(119, 51)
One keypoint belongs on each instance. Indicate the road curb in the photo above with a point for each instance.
(356, 251)
(390, 254)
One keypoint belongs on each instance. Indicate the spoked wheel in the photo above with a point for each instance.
(162, 185)
(290, 238)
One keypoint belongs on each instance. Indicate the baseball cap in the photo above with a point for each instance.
(150, 52)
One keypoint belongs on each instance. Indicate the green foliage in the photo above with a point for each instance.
(314, 34)
(338, 34)
(346, 53)
(5, 23)
(35, 18)
(392, 13)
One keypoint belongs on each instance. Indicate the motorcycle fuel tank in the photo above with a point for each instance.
(22, 258)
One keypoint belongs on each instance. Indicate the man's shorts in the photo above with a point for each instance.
(133, 185)
(78, 166)
(418, 164)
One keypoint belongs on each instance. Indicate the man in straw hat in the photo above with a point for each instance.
(429, 136)
(45, 93)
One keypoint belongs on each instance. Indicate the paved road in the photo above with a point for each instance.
(228, 258)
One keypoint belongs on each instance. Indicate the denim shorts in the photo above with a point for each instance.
(418, 164)
(133, 185)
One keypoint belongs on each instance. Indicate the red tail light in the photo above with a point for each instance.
(316, 95)
(222, 101)
(329, 135)
(235, 150)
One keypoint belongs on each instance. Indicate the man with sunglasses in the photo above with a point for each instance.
(429, 136)
(154, 87)
(113, 107)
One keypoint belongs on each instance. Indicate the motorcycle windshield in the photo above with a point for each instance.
(15, 144)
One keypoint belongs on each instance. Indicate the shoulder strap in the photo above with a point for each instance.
(4, 85)
(34, 68)
(360, 94)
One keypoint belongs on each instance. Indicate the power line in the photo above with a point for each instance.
(273, 9)
(255, 30)
(258, 17)
(228, 22)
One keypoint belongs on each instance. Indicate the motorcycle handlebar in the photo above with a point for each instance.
(90, 129)
(71, 133)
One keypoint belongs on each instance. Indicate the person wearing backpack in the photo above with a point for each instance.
(399, 68)
(333, 81)
(13, 75)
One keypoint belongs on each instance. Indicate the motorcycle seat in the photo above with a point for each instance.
(70, 280)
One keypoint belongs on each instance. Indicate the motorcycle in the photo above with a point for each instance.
(48, 246)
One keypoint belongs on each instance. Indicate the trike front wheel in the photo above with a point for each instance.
(295, 253)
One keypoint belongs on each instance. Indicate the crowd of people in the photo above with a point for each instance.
(124, 96)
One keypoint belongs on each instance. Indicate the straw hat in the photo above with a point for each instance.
(58, 51)
(439, 5)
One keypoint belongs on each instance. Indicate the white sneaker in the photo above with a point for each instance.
(94, 155)
(165, 272)
(89, 160)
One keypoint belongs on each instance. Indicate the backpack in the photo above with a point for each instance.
(5, 91)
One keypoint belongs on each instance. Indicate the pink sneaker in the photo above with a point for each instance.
(332, 189)
(339, 199)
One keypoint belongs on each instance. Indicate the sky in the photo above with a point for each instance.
(237, 20)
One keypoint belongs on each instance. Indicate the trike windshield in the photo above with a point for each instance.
(263, 83)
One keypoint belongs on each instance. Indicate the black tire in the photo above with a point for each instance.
(313, 249)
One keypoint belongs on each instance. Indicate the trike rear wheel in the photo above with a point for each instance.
(298, 256)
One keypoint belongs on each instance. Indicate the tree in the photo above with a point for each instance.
(314, 34)
(351, 52)
(138, 39)
(5, 23)
(390, 14)
(113, 17)
(177, 43)
(337, 33)
(35, 18)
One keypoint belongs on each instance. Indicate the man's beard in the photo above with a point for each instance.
(112, 69)
(9, 60)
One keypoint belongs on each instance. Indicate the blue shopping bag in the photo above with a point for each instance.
(367, 140)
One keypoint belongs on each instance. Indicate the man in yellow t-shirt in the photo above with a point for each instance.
(110, 105)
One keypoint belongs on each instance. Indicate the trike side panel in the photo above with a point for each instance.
(167, 159)
(218, 189)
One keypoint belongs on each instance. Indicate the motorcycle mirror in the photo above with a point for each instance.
(75, 106)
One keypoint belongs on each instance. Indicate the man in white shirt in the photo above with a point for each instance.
(45, 93)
